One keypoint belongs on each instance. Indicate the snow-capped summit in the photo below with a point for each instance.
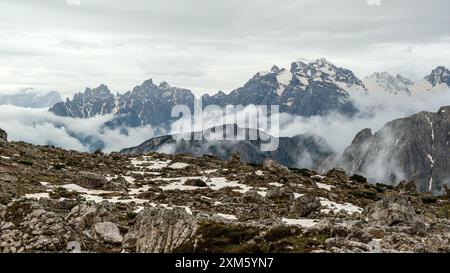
(440, 75)
(385, 82)
(322, 70)
(305, 89)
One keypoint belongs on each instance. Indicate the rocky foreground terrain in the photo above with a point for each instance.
(54, 200)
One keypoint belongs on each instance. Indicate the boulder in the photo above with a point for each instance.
(391, 211)
(91, 181)
(160, 230)
(108, 232)
(281, 194)
(304, 206)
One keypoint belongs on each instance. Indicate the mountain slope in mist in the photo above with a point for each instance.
(415, 148)
(301, 151)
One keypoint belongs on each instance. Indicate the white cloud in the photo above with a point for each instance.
(39, 126)
(210, 45)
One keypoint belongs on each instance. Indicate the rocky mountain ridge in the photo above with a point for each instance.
(305, 89)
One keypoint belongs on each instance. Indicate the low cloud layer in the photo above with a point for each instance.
(39, 126)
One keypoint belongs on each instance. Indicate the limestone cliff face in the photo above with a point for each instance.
(415, 148)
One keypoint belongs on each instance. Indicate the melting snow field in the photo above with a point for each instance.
(227, 216)
(215, 183)
(38, 195)
(178, 166)
(324, 186)
(336, 207)
(305, 223)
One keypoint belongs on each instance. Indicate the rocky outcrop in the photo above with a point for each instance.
(392, 210)
(161, 231)
(304, 206)
(413, 148)
(3, 136)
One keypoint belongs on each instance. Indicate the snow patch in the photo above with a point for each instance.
(336, 207)
(227, 216)
(304, 223)
(178, 166)
(324, 186)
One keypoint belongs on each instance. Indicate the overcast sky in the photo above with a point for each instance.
(210, 45)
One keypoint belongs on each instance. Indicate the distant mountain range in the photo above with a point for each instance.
(31, 98)
(306, 89)
(384, 82)
(147, 104)
(305, 151)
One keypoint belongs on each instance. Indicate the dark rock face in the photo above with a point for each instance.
(317, 88)
(97, 101)
(415, 148)
(302, 151)
(147, 104)
(3, 136)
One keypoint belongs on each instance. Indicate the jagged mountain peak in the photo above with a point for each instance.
(275, 69)
(439, 75)
(164, 85)
(322, 70)
(101, 90)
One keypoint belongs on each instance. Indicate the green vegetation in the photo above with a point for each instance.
(225, 238)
